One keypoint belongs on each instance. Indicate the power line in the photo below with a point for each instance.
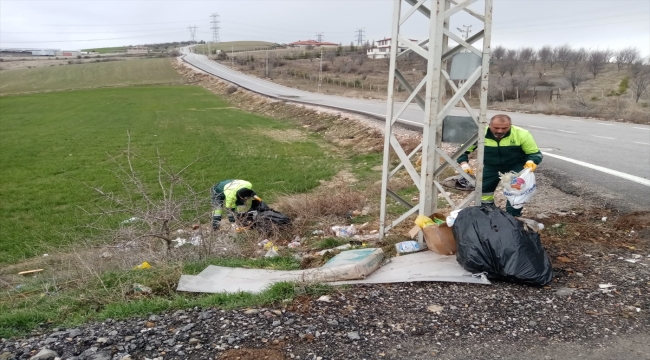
(215, 27)
(85, 32)
(576, 27)
(63, 41)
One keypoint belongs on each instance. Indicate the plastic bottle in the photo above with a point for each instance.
(406, 247)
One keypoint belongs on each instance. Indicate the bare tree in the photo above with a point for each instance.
(579, 56)
(576, 75)
(498, 52)
(502, 67)
(533, 58)
(626, 56)
(640, 82)
(553, 58)
(597, 60)
(564, 55)
(512, 61)
(330, 56)
(525, 53)
(545, 54)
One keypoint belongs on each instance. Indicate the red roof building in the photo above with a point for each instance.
(314, 43)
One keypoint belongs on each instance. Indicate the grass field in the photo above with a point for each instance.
(53, 143)
(108, 50)
(90, 75)
(235, 46)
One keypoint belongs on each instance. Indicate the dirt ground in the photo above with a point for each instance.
(15, 63)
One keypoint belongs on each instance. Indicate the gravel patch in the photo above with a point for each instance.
(393, 321)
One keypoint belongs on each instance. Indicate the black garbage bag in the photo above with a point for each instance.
(261, 217)
(492, 241)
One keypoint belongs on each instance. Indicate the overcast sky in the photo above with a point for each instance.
(68, 24)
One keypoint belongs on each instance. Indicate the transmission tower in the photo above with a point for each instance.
(360, 34)
(319, 37)
(438, 126)
(215, 27)
(192, 32)
(465, 31)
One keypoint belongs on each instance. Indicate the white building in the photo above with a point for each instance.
(382, 49)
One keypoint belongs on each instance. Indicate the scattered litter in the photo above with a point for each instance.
(452, 218)
(180, 231)
(29, 272)
(196, 240)
(46, 255)
(374, 236)
(605, 286)
(128, 221)
(604, 218)
(532, 225)
(139, 288)
(293, 245)
(106, 255)
(423, 221)
(344, 231)
(324, 298)
(264, 242)
(273, 252)
(589, 255)
(542, 216)
(144, 265)
(406, 247)
(317, 232)
(342, 247)
(437, 234)
(556, 225)
(435, 309)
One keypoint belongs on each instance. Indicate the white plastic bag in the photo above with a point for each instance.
(344, 231)
(452, 218)
(519, 189)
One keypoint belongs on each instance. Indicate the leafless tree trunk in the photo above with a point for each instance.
(575, 76)
(533, 58)
(564, 56)
(512, 61)
(597, 60)
(545, 54)
(579, 56)
(626, 56)
(640, 82)
(502, 67)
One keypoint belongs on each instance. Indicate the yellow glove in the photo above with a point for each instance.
(466, 168)
(530, 165)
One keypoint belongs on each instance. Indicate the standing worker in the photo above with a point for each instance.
(507, 148)
(229, 194)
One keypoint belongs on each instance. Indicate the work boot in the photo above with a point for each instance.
(216, 222)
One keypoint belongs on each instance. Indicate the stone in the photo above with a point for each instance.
(277, 323)
(251, 312)
(332, 323)
(112, 333)
(102, 340)
(102, 355)
(353, 335)
(75, 332)
(45, 353)
(49, 340)
(564, 291)
(193, 341)
(155, 317)
(188, 327)
(128, 338)
(532, 323)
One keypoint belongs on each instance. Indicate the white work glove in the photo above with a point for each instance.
(466, 168)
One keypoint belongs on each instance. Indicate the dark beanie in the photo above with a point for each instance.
(245, 193)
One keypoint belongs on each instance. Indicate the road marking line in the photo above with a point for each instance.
(538, 127)
(640, 128)
(568, 132)
(603, 137)
(622, 175)
(605, 124)
(642, 143)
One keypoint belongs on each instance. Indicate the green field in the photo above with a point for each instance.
(236, 46)
(108, 50)
(90, 75)
(55, 143)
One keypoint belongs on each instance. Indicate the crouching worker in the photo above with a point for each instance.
(227, 195)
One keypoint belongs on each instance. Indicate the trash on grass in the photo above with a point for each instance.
(139, 288)
(324, 298)
(264, 242)
(344, 231)
(29, 272)
(144, 265)
(128, 221)
(293, 245)
(532, 225)
(273, 252)
(604, 218)
(318, 232)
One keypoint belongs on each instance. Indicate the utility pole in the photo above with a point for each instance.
(192, 32)
(319, 37)
(466, 31)
(215, 27)
(267, 63)
(360, 37)
(437, 52)
(320, 71)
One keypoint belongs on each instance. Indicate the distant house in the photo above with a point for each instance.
(314, 43)
(382, 49)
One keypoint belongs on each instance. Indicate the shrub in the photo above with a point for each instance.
(326, 67)
(231, 89)
(594, 98)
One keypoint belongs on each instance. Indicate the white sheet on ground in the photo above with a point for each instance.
(422, 266)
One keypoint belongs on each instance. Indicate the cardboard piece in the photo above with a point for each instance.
(348, 265)
(439, 238)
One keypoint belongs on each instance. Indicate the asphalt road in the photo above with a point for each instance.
(608, 160)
